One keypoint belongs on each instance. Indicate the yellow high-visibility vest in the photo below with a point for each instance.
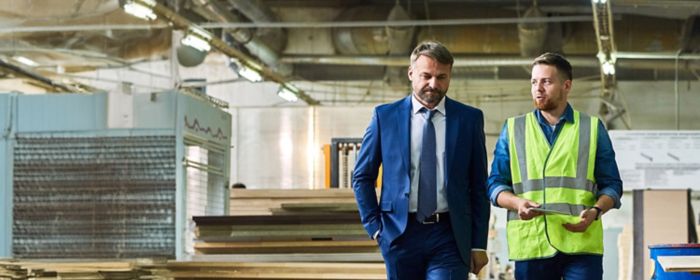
(559, 177)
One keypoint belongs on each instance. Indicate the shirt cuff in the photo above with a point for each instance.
(496, 191)
(478, 250)
(612, 194)
(375, 235)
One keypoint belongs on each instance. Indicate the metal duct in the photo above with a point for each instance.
(215, 11)
(400, 39)
(532, 35)
(370, 40)
(256, 11)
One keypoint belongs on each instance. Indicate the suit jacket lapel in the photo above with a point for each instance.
(404, 129)
(451, 134)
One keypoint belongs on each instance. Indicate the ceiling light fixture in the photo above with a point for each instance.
(287, 94)
(245, 71)
(140, 8)
(197, 38)
(600, 1)
(608, 68)
(25, 61)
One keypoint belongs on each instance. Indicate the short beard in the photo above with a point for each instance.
(432, 99)
(548, 105)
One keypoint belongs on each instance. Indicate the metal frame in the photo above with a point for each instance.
(336, 145)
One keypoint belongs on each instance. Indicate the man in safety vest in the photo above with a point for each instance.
(554, 170)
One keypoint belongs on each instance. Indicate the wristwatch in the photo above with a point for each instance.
(598, 212)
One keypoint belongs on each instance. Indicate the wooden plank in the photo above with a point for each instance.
(333, 218)
(265, 244)
(680, 263)
(294, 257)
(271, 276)
(323, 206)
(290, 193)
(286, 247)
(226, 229)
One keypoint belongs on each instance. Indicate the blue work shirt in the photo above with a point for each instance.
(606, 174)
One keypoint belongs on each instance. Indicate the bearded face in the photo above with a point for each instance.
(430, 80)
(549, 90)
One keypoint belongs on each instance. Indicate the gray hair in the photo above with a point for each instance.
(434, 50)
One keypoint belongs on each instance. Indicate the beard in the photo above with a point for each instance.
(550, 102)
(545, 105)
(431, 95)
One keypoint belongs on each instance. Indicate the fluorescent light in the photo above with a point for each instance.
(608, 68)
(287, 94)
(196, 42)
(141, 9)
(249, 74)
(245, 71)
(197, 38)
(25, 61)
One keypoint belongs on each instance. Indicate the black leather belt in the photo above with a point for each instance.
(433, 219)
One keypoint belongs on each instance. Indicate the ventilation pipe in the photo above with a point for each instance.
(256, 11)
(376, 40)
(532, 35)
(400, 39)
(255, 45)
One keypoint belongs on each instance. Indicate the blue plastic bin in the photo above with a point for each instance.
(673, 250)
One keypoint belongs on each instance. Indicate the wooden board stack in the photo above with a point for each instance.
(259, 202)
(146, 269)
(286, 225)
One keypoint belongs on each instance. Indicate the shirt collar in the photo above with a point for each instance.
(568, 115)
(416, 105)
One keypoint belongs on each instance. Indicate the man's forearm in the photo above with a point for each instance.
(605, 203)
(508, 200)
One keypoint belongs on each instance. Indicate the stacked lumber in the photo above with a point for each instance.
(155, 270)
(70, 269)
(246, 202)
(298, 270)
(276, 225)
(306, 237)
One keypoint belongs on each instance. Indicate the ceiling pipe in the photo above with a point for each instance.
(402, 61)
(639, 61)
(532, 35)
(44, 82)
(258, 12)
(400, 40)
(657, 55)
(216, 12)
(180, 22)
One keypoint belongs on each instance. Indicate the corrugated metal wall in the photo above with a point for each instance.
(97, 197)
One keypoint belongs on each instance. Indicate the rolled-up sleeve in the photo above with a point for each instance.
(500, 178)
(606, 173)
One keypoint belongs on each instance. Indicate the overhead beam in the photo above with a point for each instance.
(179, 22)
(603, 25)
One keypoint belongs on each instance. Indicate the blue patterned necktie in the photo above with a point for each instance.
(427, 191)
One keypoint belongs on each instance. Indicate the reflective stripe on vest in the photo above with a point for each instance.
(560, 178)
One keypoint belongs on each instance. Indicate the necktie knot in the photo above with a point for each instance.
(429, 113)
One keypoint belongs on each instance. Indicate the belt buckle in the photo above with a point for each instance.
(428, 220)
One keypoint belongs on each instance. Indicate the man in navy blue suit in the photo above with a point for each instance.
(431, 220)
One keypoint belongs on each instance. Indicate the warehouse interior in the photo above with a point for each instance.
(126, 122)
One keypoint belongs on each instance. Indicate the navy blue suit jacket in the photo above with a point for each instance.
(386, 142)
